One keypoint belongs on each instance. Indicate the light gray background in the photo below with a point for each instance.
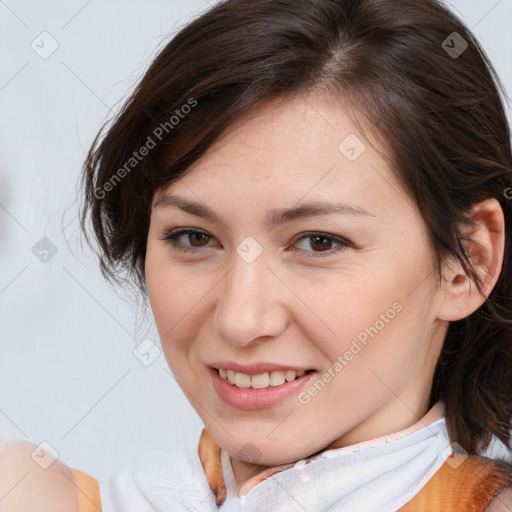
(67, 372)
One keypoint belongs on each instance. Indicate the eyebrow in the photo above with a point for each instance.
(275, 217)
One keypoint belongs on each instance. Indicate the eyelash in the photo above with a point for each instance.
(173, 237)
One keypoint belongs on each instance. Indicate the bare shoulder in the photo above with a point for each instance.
(502, 502)
(32, 479)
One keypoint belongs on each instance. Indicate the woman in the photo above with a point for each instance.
(313, 196)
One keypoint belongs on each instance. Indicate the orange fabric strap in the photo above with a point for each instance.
(87, 491)
(462, 483)
(209, 454)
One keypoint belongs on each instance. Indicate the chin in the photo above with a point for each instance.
(271, 451)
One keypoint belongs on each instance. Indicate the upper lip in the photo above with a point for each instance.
(256, 368)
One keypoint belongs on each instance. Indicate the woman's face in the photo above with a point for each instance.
(304, 254)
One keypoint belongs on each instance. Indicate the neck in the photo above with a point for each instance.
(244, 471)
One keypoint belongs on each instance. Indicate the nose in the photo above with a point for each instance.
(251, 304)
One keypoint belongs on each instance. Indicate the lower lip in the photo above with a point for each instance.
(250, 399)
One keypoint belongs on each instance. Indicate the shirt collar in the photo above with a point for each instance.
(210, 455)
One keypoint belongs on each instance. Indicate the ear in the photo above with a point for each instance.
(484, 242)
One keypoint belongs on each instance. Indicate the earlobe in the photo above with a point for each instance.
(483, 238)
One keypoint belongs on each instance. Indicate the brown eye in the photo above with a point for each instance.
(196, 239)
(321, 242)
(322, 245)
(200, 237)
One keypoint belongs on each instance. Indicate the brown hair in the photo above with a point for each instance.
(440, 115)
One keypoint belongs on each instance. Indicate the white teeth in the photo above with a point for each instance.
(289, 376)
(242, 380)
(260, 381)
(277, 378)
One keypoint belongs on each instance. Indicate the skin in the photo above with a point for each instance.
(25, 485)
(210, 304)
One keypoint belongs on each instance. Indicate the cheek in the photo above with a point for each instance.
(171, 303)
(165, 292)
(356, 312)
(175, 295)
(367, 323)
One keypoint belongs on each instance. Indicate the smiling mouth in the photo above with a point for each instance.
(261, 380)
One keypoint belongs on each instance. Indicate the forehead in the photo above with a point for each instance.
(300, 130)
(286, 152)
